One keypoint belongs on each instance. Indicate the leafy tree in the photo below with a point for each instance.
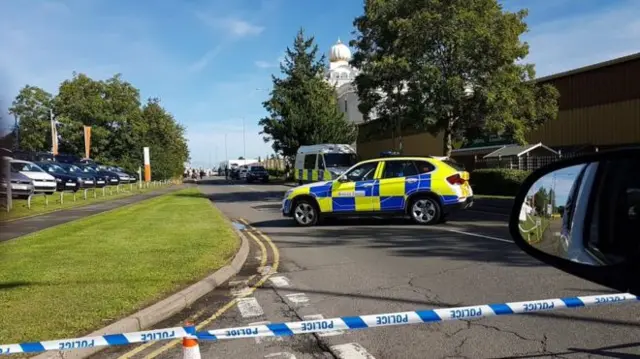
(541, 200)
(303, 108)
(451, 67)
(32, 107)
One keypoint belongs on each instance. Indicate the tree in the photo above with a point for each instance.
(32, 107)
(451, 67)
(240, 158)
(303, 108)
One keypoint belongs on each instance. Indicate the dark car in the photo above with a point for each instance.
(33, 156)
(64, 181)
(112, 178)
(101, 179)
(21, 186)
(133, 177)
(66, 158)
(257, 173)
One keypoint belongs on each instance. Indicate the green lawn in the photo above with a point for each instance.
(71, 279)
(483, 196)
(39, 206)
(531, 232)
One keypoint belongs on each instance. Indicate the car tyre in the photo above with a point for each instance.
(305, 213)
(425, 210)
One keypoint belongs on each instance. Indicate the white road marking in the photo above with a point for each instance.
(323, 334)
(284, 355)
(265, 339)
(249, 307)
(474, 234)
(264, 270)
(351, 351)
(299, 299)
(280, 281)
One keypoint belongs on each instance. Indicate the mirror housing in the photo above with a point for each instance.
(588, 225)
(343, 179)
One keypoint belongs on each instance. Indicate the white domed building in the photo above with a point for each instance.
(341, 75)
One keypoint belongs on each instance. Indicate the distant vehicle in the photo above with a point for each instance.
(424, 188)
(64, 180)
(257, 174)
(242, 172)
(21, 186)
(124, 176)
(42, 181)
(323, 162)
(133, 176)
(87, 172)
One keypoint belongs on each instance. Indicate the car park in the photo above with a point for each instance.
(42, 181)
(257, 174)
(424, 188)
(122, 176)
(64, 180)
(21, 185)
(112, 178)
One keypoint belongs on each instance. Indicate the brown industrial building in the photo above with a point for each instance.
(599, 108)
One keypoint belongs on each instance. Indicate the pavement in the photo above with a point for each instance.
(358, 267)
(20, 227)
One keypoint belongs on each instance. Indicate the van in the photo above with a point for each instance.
(323, 162)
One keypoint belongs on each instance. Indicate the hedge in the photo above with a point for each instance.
(497, 181)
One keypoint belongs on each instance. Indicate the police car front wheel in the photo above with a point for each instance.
(425, 210)
(305, 213)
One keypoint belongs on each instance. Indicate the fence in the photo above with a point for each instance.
(526, 163)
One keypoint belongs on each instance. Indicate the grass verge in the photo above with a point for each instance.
(532, 232)
(71, 279)
(484, 196)
(38, 204)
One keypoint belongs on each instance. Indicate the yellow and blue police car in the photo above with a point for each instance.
(425, 188)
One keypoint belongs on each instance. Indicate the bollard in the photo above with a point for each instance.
(84, 195)
(110, 190)
(74, 196)
(103, 192)
(131, 186)
(118, 188)
(29, 201)
(95, 195)
(62, 197)
(46, 200)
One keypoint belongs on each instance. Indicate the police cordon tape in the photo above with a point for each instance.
(324, 325)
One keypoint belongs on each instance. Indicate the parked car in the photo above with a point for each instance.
(133, 176)
(64, 180)
(33, 156)
(42, 181)
(122, 176)
(112, 178)
(257, 173)
(87, 172)
(242, 172)
(21, 186)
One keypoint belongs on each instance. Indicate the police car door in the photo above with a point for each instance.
(358, 192)
(396, 177)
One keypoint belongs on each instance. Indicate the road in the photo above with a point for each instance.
(358, 267)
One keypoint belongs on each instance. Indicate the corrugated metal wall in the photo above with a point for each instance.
(419, 144)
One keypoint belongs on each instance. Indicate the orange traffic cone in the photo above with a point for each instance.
(190, 347)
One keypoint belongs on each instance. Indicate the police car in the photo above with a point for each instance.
(425, 188)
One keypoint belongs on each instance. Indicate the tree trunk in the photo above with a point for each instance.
(447, 139)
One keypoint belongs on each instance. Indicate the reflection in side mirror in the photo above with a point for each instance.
(586, 213)
(343, 179)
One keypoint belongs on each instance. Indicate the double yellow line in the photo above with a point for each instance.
(258, 237)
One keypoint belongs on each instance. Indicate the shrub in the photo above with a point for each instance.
(497, 181)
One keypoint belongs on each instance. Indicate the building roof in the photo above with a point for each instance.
(517, 150)
(616, 61)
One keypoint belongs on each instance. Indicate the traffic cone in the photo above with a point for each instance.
(190, 347)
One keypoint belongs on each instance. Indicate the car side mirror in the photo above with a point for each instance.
(343, 179)
(582, 216)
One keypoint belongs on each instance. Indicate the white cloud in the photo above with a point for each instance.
(265, 64)
(232, 26)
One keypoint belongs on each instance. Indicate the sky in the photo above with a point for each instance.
(210, 62)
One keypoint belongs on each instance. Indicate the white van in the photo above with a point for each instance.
(323, 162)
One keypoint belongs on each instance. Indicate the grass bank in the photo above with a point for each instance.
(39, 205)
(71, 279)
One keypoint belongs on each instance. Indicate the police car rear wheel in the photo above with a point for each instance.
(305, 213)
(425, 210)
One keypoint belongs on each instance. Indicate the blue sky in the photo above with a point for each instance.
(206, 59)
(561, 181)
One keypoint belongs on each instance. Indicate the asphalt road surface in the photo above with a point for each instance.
(358, 267)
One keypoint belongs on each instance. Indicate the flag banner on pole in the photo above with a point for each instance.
(87, 141)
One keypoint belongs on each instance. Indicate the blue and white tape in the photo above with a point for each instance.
(414, 317)
(100, 341)
(324, 325)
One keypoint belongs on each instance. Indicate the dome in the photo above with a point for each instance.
(339, 52)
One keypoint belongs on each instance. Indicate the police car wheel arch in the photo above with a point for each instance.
(425, 209)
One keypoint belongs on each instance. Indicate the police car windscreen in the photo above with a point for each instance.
(339, 159)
